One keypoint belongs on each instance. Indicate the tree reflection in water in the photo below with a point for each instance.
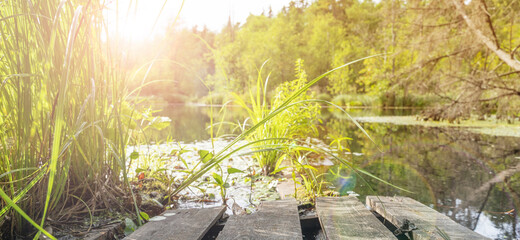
(472, 178)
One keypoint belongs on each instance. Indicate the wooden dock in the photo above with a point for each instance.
(276, 220)
(339, 218)
(430, 224)
(348, 218)
(179, 224)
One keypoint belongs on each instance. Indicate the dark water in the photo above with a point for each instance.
(471, 178)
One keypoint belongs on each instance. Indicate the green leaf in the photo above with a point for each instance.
(278, 170)
(218, 179)
(130, 226)
(180, 152)
(134, 155)
(138, 170)
(8, 200)
(310, 167)
(234, 170)
(205, 155)
(144, 216)
(160, 123)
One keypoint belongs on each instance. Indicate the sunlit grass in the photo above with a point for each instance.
(295, 122)
(64, 119)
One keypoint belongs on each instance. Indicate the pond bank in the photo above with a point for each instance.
(487, 127)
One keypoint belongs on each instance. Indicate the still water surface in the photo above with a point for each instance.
(472, 178)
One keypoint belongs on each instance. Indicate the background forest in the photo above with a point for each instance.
(460, 58)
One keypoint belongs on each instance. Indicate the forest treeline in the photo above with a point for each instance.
(457, 57)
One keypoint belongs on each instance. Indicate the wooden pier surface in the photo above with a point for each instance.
(430, 223)
(339, 217)
(275, 220)
(179, 224)
(348, 218)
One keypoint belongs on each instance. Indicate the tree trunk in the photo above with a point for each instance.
(504, 56)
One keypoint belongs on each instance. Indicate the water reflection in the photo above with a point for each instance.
(469, 177)
(472, 178)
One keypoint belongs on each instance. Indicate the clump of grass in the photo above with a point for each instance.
(296, 122)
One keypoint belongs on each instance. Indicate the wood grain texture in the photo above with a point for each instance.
(426, 219)
(348, 218)
(275, 220)
(180, 224)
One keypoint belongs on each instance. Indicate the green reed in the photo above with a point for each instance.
(296, 122)
(64, 120)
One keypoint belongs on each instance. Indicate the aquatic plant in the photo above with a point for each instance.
(66, 115)
(233, 147)
(298, 121)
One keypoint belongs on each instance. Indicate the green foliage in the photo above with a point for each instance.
(65, 112)
(222, 182)
(298, 121)
(227, 151)
(424, 55)
(324, 96)
(355, 100)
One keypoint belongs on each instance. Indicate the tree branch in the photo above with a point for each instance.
(504, 56)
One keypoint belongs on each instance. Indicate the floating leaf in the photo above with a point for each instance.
(134, 155)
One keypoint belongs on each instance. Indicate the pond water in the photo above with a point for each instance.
(472, 178)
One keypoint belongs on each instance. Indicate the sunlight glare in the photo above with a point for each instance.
(135, 20)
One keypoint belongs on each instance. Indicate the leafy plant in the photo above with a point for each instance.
(232, 148)
(296, 121)
(222, 182)
(308, 178)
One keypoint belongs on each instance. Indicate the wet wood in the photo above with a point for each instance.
(348, 218)
(179, 224)
(275, 220)
(430, 223)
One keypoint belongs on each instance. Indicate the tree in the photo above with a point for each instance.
(484, 76)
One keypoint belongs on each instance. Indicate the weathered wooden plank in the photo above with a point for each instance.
(430, 223)
(348, 218)
(179, 224)
(275, 220)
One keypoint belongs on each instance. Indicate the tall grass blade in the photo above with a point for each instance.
(24, 215)
(219, 157)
